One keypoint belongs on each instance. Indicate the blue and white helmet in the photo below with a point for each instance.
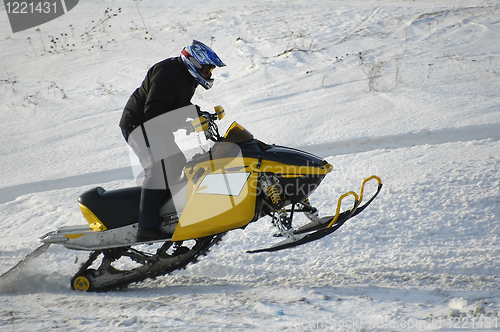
(200, 60)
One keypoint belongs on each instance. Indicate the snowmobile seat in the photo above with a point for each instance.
(114, 208)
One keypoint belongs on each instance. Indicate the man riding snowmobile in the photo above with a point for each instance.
(168, 86)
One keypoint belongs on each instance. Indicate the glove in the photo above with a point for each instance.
(189, 128)
(198, 110)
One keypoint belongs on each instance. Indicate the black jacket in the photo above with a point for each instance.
(166, 87)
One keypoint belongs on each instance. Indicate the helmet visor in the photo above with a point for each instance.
(206, 71)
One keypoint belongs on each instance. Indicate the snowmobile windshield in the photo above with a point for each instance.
(237, 134)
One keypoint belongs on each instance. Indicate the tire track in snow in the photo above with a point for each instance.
(360, 27)
(355, 145)
(423, 137)
(8, 194)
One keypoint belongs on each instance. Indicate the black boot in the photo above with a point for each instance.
(149, 218)
(150, 234)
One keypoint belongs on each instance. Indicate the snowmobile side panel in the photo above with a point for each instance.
(221, 201)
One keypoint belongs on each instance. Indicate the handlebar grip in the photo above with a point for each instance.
(200, 124)
(219, 111)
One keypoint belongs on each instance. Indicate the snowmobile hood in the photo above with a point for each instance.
(296, 157)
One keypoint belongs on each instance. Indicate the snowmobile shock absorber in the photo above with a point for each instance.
(272, 190)
(274, 195)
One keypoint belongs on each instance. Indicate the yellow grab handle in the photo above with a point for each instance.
(363, 185)
(339, 203)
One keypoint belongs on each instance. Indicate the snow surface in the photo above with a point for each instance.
(406, 90)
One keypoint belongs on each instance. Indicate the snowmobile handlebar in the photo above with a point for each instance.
(206, 123)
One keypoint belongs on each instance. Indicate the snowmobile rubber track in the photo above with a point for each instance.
(107, 278)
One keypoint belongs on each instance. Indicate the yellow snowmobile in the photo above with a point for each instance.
(239, 180)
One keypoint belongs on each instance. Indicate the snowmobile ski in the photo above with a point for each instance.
(322, 227)
(342, 217)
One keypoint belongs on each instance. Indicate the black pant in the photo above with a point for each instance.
(151, 199)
